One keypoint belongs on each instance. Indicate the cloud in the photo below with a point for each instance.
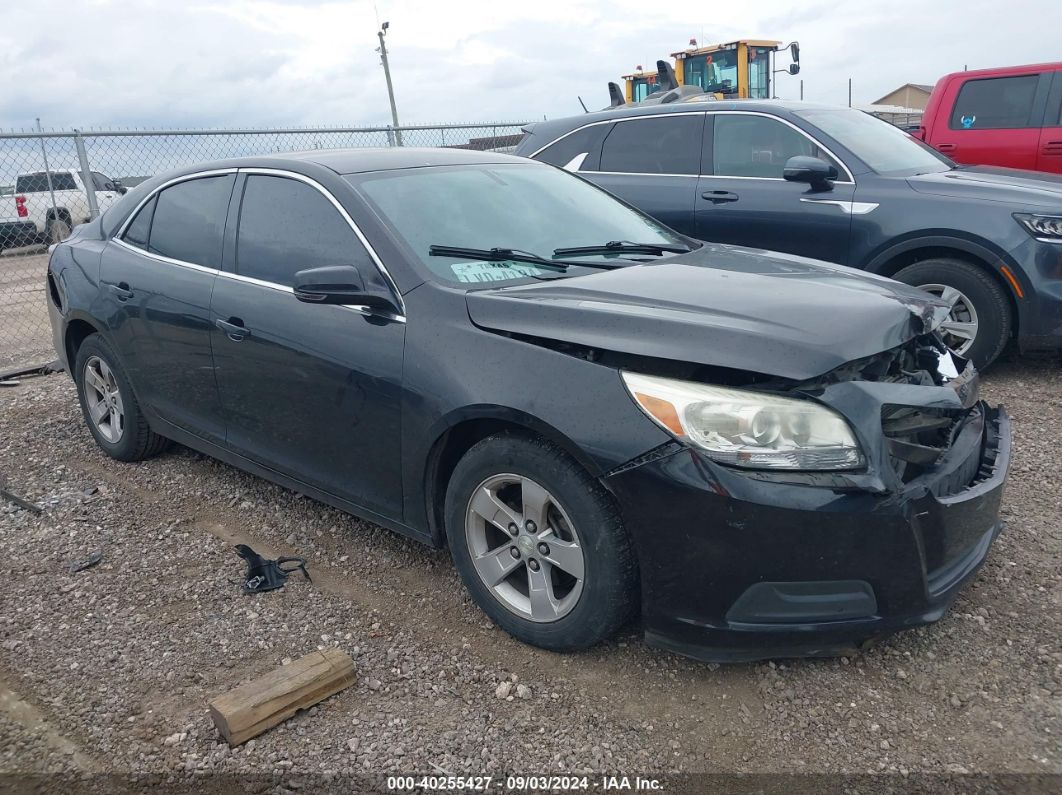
(219, 63)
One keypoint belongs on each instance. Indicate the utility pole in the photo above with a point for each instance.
(387, 74)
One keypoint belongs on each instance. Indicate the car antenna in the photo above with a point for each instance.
(582, 103)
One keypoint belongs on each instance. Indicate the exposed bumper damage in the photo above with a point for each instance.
(742, 564)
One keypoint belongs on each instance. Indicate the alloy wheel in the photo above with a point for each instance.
(960, 329)
(524, 547)
(104, 400)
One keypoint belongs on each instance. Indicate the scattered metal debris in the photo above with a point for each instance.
(267, 575)
(14, 498)
(87, 563)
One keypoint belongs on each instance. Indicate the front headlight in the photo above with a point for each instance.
(1047, 228)
(748, 429)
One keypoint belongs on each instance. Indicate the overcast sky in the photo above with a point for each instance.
(301, 62)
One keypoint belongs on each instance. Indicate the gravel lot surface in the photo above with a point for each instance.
(25, 336)
(111, 668)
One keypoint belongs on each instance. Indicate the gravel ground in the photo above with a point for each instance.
(25, 335)
(111, 668)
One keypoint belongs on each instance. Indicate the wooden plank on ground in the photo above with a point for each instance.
(264, 702)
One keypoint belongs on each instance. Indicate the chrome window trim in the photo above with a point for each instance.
(277, 172)
(282, 288)
(160, 258)
(826, 149)
(534, 154)
(216, 172)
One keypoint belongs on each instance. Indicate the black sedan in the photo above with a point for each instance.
(757, 454)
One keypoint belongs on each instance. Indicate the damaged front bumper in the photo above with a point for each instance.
(742, 565)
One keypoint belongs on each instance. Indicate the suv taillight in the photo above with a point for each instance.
(20, 207)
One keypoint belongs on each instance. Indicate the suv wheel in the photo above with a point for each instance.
(110, 408)
(539, 544)
(979, 324)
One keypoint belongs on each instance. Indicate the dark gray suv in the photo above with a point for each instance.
(839, 185)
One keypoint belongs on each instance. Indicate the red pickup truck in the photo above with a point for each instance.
(1011, 116)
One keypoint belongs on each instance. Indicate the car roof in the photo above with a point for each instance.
(356, 160)
(698, 103)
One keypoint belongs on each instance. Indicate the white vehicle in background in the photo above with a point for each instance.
(37, 220)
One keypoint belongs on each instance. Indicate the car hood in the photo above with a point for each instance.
(1007, 185)
(725, 306)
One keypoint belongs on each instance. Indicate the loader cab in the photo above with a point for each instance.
(736, 70)
(639, 85)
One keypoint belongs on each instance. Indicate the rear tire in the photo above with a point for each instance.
(981, 301)
(109, 406)
(579, 530)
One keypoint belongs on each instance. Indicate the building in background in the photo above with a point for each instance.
(902, 106)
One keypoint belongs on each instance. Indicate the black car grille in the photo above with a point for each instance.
(919, 438)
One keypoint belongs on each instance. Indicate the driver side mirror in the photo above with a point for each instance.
(817, 173)
(119, 187)
(342, 285)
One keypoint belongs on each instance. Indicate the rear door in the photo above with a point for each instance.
(742, 197)
(309, 390)
(993, 120)
(156, 278)
(653, 162)
(1049, 157)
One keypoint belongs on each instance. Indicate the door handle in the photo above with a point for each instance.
(233, 328)
(719, 196)
(1052, 148)
(945, 147)
(121, 291)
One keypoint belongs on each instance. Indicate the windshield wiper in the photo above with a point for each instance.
(513, 255)
(622, 247)
(497, 255)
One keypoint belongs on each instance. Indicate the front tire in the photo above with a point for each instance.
(109, 406)
(979, 325)
(539, 544)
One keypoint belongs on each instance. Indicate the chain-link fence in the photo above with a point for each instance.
(52, 181)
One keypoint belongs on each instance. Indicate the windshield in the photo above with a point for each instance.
(885, 148)
(530, 208)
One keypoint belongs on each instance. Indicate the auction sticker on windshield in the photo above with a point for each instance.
(483, 271)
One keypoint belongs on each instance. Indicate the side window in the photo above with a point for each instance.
(661, 145)
(578, 151)
(758, 146)
(189, 220)
(287, 226)
(995, 103)
(136, 234)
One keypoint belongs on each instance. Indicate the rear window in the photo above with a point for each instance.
(38, 182)
(579, 148)
(660, 145)
(189, 220)
(995, 103)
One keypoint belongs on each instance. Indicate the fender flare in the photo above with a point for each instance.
(438, 433)
(983, 250)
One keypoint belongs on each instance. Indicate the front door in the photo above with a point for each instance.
(156, 284)
(309, 390)
(743, 199)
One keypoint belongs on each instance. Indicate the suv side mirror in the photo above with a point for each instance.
(817, 173)
(339, 284)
